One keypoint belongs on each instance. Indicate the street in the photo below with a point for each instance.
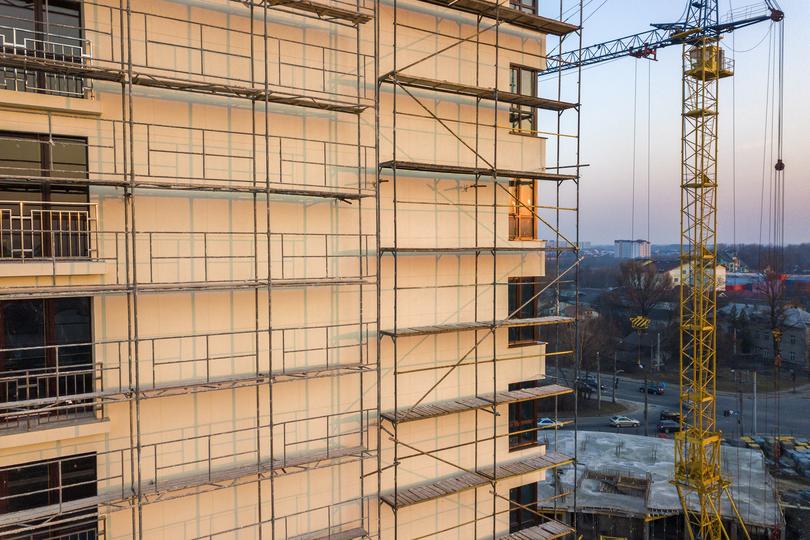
(792, 406)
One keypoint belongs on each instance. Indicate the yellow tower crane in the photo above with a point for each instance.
(698, 474)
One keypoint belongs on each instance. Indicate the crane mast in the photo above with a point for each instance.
(698, 476)
(698, 471)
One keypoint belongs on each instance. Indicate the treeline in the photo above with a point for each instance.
(757, 256)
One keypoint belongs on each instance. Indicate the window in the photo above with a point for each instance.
(521, 291)
(45, 352)
(522, 118)
(523, 417)
(793, 357)
(522, 222)
(519, 517)
(44, 483)
(793, 339)
(46, 29)
(526, 6)
(44, 220)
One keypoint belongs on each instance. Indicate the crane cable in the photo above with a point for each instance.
(633, 176)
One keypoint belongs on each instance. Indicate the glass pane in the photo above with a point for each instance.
(79, 477)
(527, 82)
(24, 487)
(16, 21)
(69, 158)
(20, 154)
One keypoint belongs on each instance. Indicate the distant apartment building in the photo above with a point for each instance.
(277, 269)
(631, 249)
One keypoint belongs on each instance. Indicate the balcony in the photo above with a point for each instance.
(20, 46)
(37, 231)
(60, 386)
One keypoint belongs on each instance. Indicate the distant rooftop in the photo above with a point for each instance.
(630, 474)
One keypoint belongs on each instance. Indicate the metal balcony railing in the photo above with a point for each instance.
(45, 230)
(43, 46)
(35, 395)
(62, 382)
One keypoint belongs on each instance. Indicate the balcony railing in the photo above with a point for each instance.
(35, 395)
(43, 46)
(44, 230)
(51, 383)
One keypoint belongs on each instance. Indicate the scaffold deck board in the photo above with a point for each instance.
(476, 325)
(550, 530)
(469, 250)
(333, 534)
(497, 11)
(13, 293)
(470, 403)
(120, 75)
(324, 11)
(458, 483)
(229, 474)
(480, 92)
(485, 172)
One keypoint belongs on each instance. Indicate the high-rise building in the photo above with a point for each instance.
(277, 269)
(632, 249)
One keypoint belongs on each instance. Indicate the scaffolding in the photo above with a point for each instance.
(135, 55)
(463, 122)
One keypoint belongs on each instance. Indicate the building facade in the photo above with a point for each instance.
(277, 269)
(632, 249)
(676, 271)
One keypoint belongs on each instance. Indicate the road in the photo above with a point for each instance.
(794, 409)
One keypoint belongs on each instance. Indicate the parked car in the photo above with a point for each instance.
(623, 421)
(668, 426)
(547, 423)
(675, 416)
(652, 388)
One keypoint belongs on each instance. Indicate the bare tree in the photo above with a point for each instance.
(772, 289)
(641, 287)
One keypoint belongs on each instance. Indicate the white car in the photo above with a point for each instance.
(547, 423)
(623, 421)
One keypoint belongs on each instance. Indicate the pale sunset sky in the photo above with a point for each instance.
(607, 127)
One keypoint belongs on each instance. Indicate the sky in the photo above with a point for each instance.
(607, 128)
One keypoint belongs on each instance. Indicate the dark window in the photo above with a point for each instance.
(522, 214)
(44, 483)
(44, 29)
(522, 118)
(38, 219)
(45, 353)
(520, 518)
(526, 6)
(523, 417)
(521, 291)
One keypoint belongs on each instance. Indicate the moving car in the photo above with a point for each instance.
(668, 426)
(653, 388)
(675, 416)
(623, 421)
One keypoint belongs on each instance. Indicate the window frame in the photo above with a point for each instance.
(530, 8)
(518, 212)
(58, 492)
(519, 420)
(520, 518)
(520, 113)
(524, 336)
(55, 377)
(41, 33)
